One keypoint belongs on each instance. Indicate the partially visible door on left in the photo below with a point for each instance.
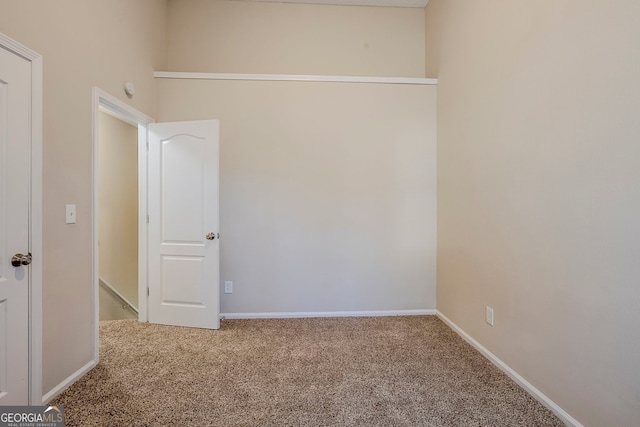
(15, 173)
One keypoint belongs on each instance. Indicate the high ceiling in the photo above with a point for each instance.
(393, 3)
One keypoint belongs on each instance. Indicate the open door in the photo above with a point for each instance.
(183, 224)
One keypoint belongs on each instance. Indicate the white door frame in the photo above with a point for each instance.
(35, 222)
(109, 103)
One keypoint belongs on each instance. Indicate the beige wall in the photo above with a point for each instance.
(327, 192)
(84, 43)
(433, 32)
(118, 205)
(280, 38)
(538, 195)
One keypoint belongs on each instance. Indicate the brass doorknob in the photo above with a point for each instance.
(18, 260)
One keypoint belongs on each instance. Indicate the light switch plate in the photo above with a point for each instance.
(70, 214)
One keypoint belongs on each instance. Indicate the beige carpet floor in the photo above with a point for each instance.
(393, 371)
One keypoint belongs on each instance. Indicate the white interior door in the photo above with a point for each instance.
(15, 172)
(183, 224)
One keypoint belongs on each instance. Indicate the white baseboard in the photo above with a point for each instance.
(537, 394)
(298, 314)
(68, 382)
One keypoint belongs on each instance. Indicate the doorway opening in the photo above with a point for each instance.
(118, 217)
(119, 166)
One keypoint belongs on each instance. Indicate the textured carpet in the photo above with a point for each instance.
(392, 371)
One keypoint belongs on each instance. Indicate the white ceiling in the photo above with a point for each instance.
(393, 3)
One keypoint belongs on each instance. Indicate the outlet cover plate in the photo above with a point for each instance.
(489, 315)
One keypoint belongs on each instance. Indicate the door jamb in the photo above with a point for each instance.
(35, 220)
(112, 105)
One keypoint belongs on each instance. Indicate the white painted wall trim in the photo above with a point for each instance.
(299, 314)
(103, 101)
(295, 78)
(537, 394)
(16, 47)
(35, 232)
(143, 215)
(57, 390)
(121, 110)
(367, 3)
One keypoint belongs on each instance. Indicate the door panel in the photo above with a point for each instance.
(183, 210)
(15, 172)
(183, 280)
(183, 166)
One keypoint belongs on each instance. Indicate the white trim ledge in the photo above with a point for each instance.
(57, 390)
(300, 315)
(295, 78)
(537, 394)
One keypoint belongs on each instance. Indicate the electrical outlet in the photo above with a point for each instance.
(489, 315)
(228, 287)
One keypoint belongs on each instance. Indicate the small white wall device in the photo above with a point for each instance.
(129, 89)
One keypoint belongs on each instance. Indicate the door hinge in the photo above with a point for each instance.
(147, 218)
(147, 291)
